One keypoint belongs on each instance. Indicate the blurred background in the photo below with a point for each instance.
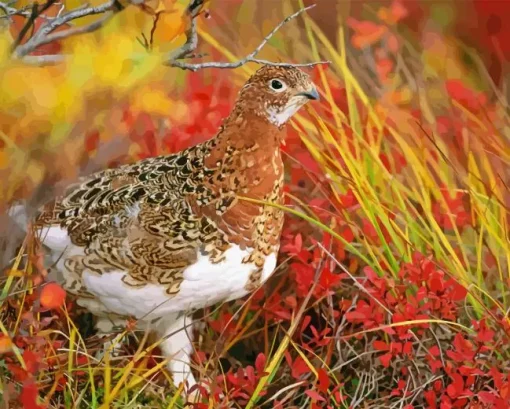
(398, 180)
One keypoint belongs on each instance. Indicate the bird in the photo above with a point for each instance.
(160, 238)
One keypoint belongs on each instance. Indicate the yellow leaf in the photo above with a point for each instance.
(168, 26)
(152, 101)
(401, 96)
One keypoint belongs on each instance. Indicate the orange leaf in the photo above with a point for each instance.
(366, 32)
(5, 344)
(384, 67)
(393, 43)
(394, 14)
(52, 296)
(365, 40)
(398, 11)
(168, 26)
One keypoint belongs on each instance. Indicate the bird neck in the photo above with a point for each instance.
(246, 155)
(245, 130)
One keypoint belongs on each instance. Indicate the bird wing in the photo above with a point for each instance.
(138, 218)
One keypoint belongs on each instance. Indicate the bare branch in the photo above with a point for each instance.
(192, 42)
(11, 11)
(174, 59)
(75, 30)
(43, 35)
(34, 14)
(42, 60)
(189, 46)
(241, 62)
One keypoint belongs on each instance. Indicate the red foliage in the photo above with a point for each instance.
(29, 395)
(469, 379)
(452, 210)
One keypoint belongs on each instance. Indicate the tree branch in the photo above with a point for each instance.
(192, 43)
(174, 59)
(75, 30)
(44, 36)
(11, 11)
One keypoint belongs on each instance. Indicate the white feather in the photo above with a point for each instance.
(278, 118)
(18, 214)
(204, 284)
(55, 238)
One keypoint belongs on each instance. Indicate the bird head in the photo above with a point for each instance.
(276, 93)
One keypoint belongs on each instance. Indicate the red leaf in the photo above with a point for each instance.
(385, 359)
(392, 43)
(486, 397)
(299, 367)
(364, 27)
(434, 351)
(32, 361)
(380, 346)
(436, 282)
(315, 395)
(384, 66)
(306, 321)
(260, 363)
(348, 199)
(307, 161)
(458, 293)
(18, 373)
(29, 395)
(465, 96)
(324, 380)
(430, 397)
(347, 234)
(456, 387)
(355, 315)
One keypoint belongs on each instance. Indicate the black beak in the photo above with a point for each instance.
(312, 94)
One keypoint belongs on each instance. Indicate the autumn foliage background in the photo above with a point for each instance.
(392, 289)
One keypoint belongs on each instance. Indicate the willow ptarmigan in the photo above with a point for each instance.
(159, 238)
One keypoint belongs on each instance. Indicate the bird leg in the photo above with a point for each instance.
(106, 327)
(176, 346)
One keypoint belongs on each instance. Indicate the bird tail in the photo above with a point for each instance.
(19, 215)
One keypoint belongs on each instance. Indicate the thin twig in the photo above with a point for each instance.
(76, 30)
(34, 13)
(42, 36)
(42, 60)
(193, 41)
(9, 11)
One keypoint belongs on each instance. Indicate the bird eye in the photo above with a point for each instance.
(277, 85)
